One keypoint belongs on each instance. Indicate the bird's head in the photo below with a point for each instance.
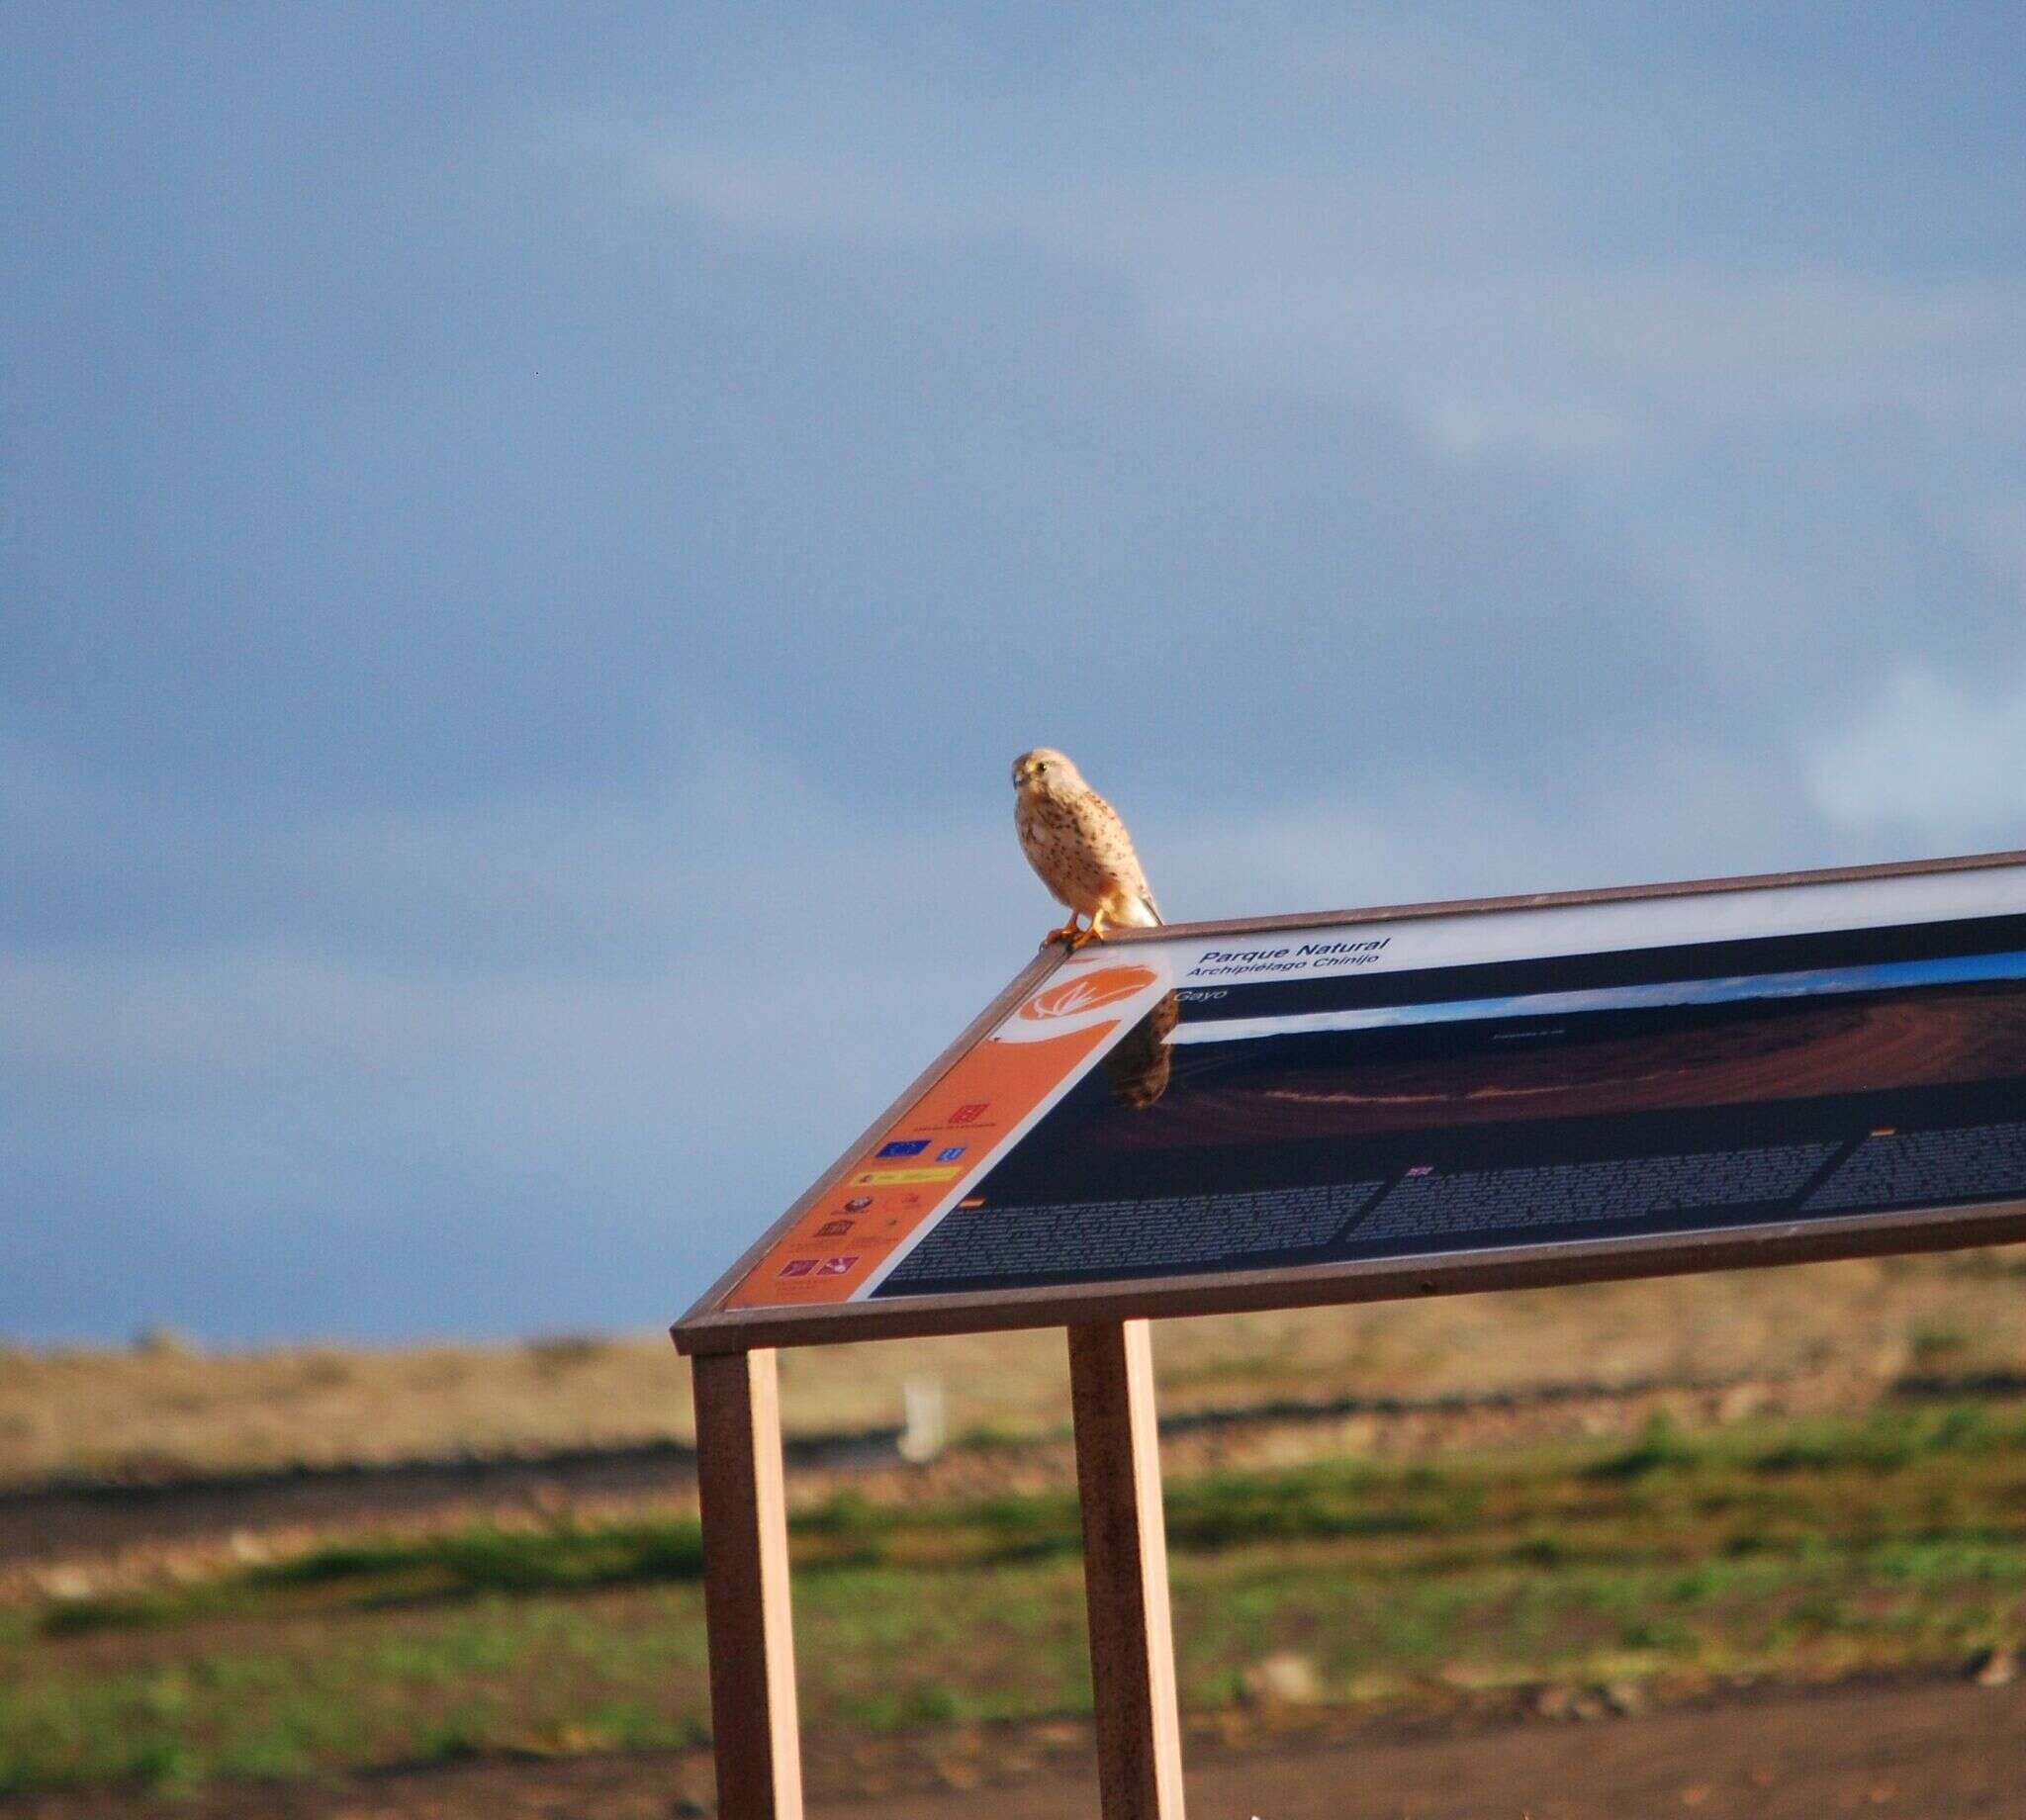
(1044, 770)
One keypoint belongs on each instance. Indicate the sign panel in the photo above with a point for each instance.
(1288, 1101)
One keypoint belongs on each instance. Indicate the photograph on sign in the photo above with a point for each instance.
(1191, 1103)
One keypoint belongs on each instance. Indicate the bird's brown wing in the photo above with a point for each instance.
(1108, 827)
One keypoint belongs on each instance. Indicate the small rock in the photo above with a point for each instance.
(1626, 1698)
(1558, 1702)
(1284, 1680)
(1555, 1701)
(1357, 1435)
(1997, 1668)
(1740, 1401)
(67, 1583)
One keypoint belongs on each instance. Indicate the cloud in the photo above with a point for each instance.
(1518, 265)
(1588, 363)
(1932, 757)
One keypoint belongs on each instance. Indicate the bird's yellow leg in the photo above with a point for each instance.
(1095, 933)
(1071, 935)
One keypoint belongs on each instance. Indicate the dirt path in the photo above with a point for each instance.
(1933, 1752)
(1929, 1751)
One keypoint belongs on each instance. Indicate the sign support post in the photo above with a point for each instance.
(750, 1632)
(1125, 1571)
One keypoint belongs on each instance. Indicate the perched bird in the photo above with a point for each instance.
(1075, 840)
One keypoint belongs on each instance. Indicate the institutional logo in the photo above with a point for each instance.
(837, 1266)
(969, 1113)
(904, 1146)
(1073, 997)
(799, 1268)
(950, 1154)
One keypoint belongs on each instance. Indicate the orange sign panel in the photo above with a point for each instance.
(918, 1170)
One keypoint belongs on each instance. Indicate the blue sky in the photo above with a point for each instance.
(530, 536)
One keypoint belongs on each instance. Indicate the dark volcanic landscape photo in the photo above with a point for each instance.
(1365, 1082)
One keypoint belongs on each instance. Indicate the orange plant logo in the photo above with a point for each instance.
(1073, 997)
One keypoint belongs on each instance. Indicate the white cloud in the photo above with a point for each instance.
(1586, 361)
(1402, 288)
(1931, 753)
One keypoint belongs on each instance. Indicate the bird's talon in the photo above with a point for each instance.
(1084, 938)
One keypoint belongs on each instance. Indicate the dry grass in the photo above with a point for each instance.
(163, 1410)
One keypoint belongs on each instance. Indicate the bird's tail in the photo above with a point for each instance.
(1141, 912)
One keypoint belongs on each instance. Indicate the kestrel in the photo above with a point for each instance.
(1075, 840)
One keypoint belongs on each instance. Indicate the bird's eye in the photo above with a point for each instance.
(1041, 768)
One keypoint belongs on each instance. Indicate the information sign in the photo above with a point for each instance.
(1394, 1102)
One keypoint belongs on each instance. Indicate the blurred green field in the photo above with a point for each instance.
(1777, 1548)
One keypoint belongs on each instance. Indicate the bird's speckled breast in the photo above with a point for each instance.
(1067, 841)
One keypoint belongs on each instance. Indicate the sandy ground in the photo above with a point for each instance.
(1929, 1751)
(1940, 1753)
